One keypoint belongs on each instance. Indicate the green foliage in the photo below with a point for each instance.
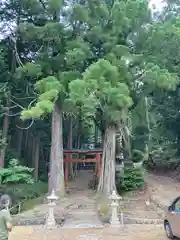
(3, 143)
(49, 88)
(160, 46)
(140, 135)
(100, 86)
(80, 13)
(97, 61)
(101, 45)
(24, 192)
(16, 173)
(132, 179)
(137, 156)
(163, 159)
(55, 5)
(157, 77)
(29, 70)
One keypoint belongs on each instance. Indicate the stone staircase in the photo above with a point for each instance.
(82, 213)
(79, 208)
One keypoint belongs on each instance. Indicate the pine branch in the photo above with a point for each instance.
(32, 121)
(43, 4)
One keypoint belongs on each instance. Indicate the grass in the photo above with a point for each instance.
(30, 195)
(31, 203)
(104, 207)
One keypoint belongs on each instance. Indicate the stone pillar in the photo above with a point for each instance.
(50, 221)
(114, 221)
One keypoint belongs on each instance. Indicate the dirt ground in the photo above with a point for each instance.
(130, 232)
(133, 204)
(160, 189)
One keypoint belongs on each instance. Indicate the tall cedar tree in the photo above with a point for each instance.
(84, 54)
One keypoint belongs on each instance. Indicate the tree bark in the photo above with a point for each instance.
(4, 136)
(95, 135)
(33, 150)
(19, 143)
(56, 178)
(107, 179)
(26, 139)
(70, 137)
(36, 158)
(29, 151)
(178, 144)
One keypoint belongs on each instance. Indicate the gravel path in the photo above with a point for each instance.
(130, 232)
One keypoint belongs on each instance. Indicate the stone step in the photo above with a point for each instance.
(81, 216)
(83, 213)
(83, 224)
(82, 206)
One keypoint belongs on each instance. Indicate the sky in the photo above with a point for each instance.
(157, 3)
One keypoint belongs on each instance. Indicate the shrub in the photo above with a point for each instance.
(20, 192)
(16, 173)
(163, 159)
(137, 156)
(132, 179)
(24, 192)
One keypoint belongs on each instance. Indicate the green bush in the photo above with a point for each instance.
(24, 192)
(163, 159)
(21, 192)
(137, 156)
(132, 179)
(16, 173)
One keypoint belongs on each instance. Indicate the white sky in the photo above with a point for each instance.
(158, 3)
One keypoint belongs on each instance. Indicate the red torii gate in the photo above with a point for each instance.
(68, 159)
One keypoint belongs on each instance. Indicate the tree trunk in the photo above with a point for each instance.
(26, 140)
(36, 157)
(24, 144)
(56, 178)
(95, 135)
(33, 150)
(79, 131)
(4, 136)
(107, 179)
(178, 144)
(70, 137)
(29, 151)
(19, 143)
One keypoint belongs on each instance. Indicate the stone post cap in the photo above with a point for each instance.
(115, 196)
(52, 196)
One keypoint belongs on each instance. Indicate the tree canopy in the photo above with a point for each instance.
(97, 68)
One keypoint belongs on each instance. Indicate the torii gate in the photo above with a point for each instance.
(68, 159)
